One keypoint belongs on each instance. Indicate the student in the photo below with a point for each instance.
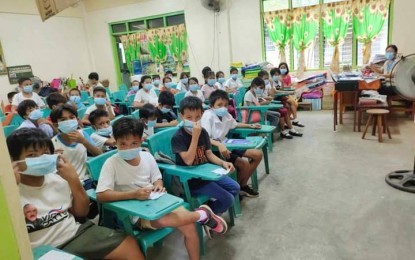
(146, 94)
(156, 81)
(169, 74)
(102, 136)
(93, 80)
(165, 115)
(33, 117)
(209, 87)
(148, 117)
(269, 90)
(106, 84)
(75, 98)
(8, 108)
(133, 174)
(205, 70)
(25, 84)
(285, 75)
(183, 85)
(135, 87)
(218, 122)
(54, 100)
(220, 80)
(233, 83)
(74, 144)
(194, 89)
(191, 144)
(51, 197)
(100, 102)
(168, 85)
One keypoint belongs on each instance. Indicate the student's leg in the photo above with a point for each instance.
(223, 198)
(244, 173)
(128, 249)
(255, 156)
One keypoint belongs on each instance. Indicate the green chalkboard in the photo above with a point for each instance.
(16, 72)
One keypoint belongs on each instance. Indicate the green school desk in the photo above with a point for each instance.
(40, 251)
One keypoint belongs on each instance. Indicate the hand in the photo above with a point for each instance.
(142, 193)
(228, 166)
(255, 126)
(66, 170)
(107, 103)
(59, 151)
(174, 123)
(224, 151)
(77, 137)
(197, 129)
(159, 188)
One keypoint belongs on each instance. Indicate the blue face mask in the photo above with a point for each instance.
(28, 89)
(148, 86)
(266, 81)
(129, 154)
(165, 110)
(211, 82)
(100, 101)
(259, 92)
(275, 78)
(68, 126)
(104, 131)
(389, 55)
(42, 165)
(194, 87)
(151, 123)
(185, 81)
(221, 80)
(283, 71)
(188, 125)
(221, 111)
(169, 85)
(234, 76)
(156, 82)
(135, 88)
(75, 99)
(36, 114)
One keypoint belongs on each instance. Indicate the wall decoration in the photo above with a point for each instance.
(3, 67)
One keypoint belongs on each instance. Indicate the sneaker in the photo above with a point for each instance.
(286, 135)
(248, 192)
(295, 133)
(213, 222)
(297, 123)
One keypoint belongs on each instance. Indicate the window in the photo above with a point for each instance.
(345, 50)
(155, 23)
(272, 52)
(175, 19)
(136, 26)
(301, 3)
(312, 54)
(271, 5)
(119, 28)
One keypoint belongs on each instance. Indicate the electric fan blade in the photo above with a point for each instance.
(403, 77)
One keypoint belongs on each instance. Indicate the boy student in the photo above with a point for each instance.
(25, 84)
(51, 196)
(191, 144)
(33, 116)
(103, 130)
(74, 144)
(233, 83)
(55, 99)
(133, 174)
(93, 80)
(165, 115)
(10, 95)
(148, 117)
(100, 102)
(75, 98)
(217, 122)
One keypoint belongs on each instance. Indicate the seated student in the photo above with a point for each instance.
(146, 94)
(106, 84)
(168, 85)
(133, 174)
(54, 100)
(183, 85)
(74, 144)
(93, 80)
(218, 122)
(8, 108)
(209, 87)
(25, 84)
(220, 80)
(191, 144)
(51, 196)
(75, 98)
(100, 102)
(233, 83)
(135, 87)
(156, 81)
(205, 70)
(194, 89)
(33, 116)
(169, 74)
(148, 117)
(165, 115)
(103, 130)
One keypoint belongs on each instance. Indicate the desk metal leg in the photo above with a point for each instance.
(334, 110)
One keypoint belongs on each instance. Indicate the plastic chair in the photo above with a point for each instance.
(84, 96)
(179, 97)
(9, 129)
(136, 114)
(130, 104)
(123, 88)
(46, 112)
(13, 119)
(116, 119)
(89, 130)
(157, 91)
(81, 113)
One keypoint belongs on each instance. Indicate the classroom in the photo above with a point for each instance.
(207, 129)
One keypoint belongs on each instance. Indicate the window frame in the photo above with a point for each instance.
(321, 39)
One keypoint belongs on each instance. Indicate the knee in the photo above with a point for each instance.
(257, 155)
(188, 230)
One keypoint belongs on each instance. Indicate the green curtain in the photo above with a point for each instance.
(157, 44)
(336, 18)
(279, 25)
(130, 48)
(305, 27)
(368, 19)
(178, 47)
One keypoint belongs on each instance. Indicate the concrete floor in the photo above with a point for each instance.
(325, 198)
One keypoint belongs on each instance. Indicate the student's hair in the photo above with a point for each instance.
(257, 82)
(54, 99)
(25, 105)
(57, 112)
(168, 72)
(74, 89)
(218, 73)
(191, 103)
(10, 95)
(217, 94)
(233, 69)
(99, 89)
(205, 70)
(166, 78)
(23, 79)
(210, 74)
(147, 111)
(143, 78)
(275, 71)
(23, 138)
(166, 98)
(183, 74)
(194, 79)
(132, 82)
(93, 75)
(286, 65)
(156, 77)
(393, 46)
(127, 126)
(96, 114)
(263, 73)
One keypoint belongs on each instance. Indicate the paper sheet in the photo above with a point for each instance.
(156, 195)
(53, 255)
(221, 171)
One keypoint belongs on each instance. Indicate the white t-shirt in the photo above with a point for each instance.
(148, 131)
(217, 129)
(93, 107)
(47, 129)
(146, 97)
(99, 141)
(181, 87)
(250, 97)
(267, 90)
(18, 98)
(233, 84)
(219, 86)
(118, 175)
(48, 220)
(199, 94)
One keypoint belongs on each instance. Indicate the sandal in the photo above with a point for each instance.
(297, 123)
(286, 135)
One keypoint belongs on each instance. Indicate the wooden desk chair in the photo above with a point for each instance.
(378, 116)
(404, 106)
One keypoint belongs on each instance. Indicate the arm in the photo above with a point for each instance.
(221, 147)
(110, 195)
(253, 126)
(76, 136)
(215, 160)
(85, 120)
(167, 124)
(110, 141)
(110, 110)
(189, 156)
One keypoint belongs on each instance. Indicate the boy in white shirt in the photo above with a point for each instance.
(133, 174)
(233, 83)
(25, 84)
(218, 122)
(51, 196)
(33, 116)
(103, 130)
(100, 102)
